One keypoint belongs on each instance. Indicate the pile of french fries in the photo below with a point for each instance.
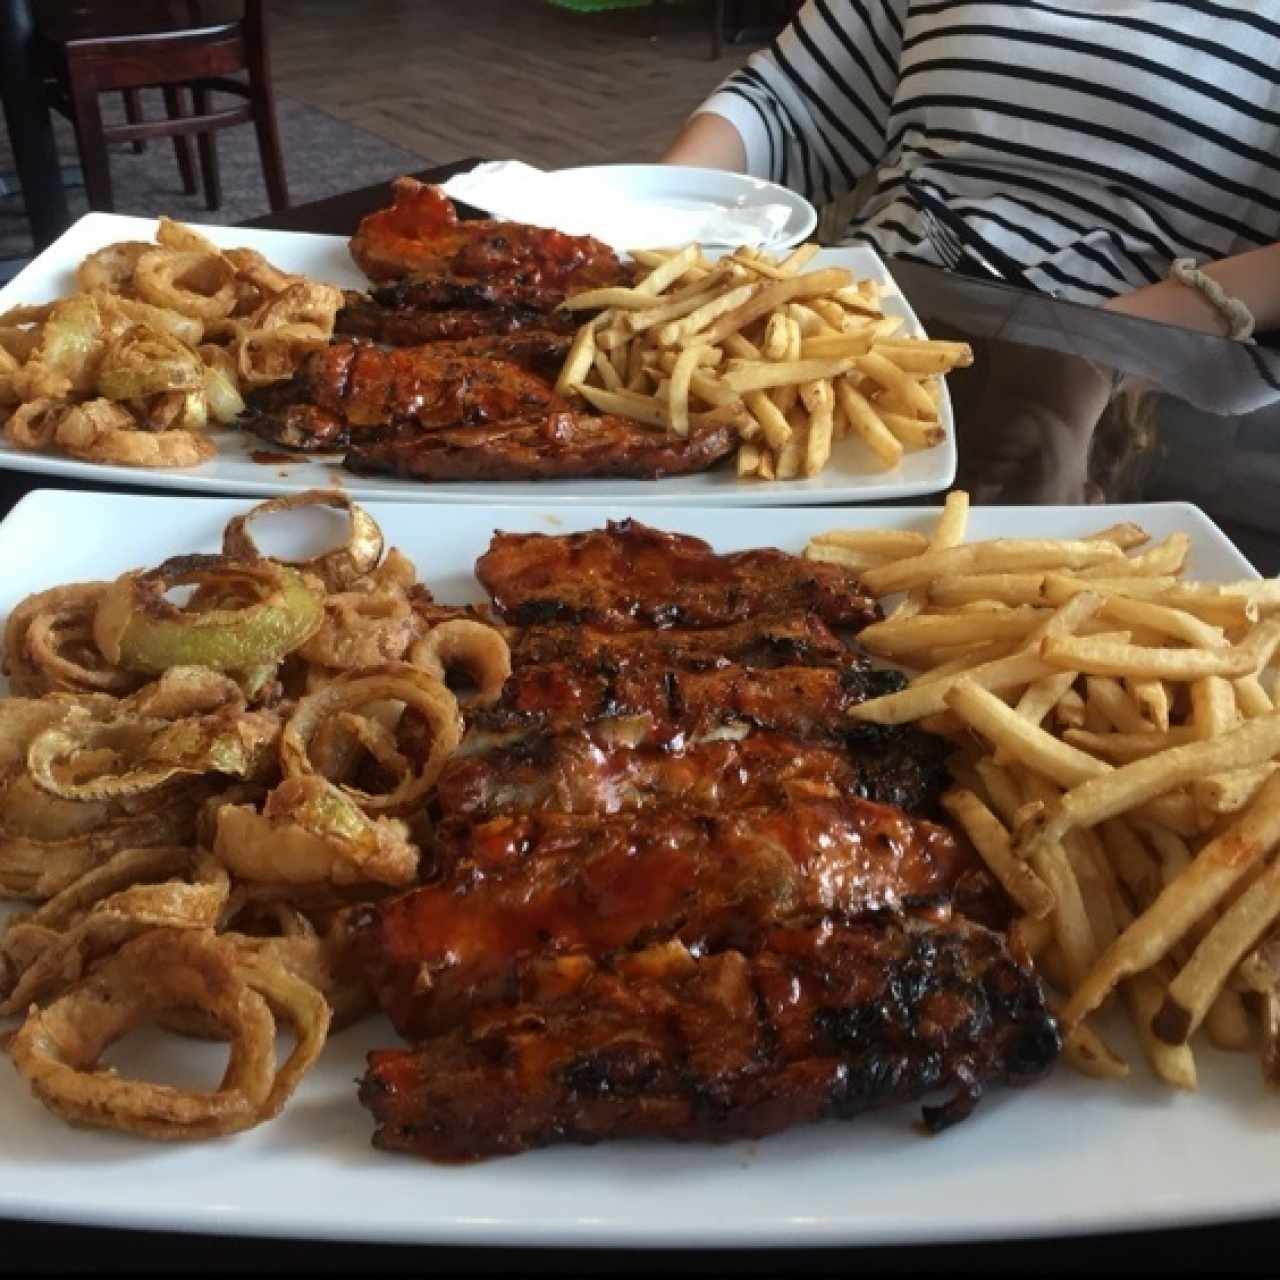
(1117, 766)
(793, 360)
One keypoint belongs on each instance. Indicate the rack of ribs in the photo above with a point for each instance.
(581, 772)
(807, 701)
(414, 411)
(629, 575)
(420, 234)
(675, 889)
(404, 325)
(824, 1021)
(561, 444)
(549, 883)
(436, 308)
(775, 640)
(540, 349)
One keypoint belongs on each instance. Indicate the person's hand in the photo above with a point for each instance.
(1025, 423)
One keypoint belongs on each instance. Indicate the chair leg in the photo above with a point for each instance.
(175, 108)
(263, 98)
(133, 114)
(90, 138)
(208, 146)
(717, 30)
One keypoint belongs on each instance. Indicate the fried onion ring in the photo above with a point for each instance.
(302, 304)
(251, 267)
(397, 681)
(103, 431)
(361, 629)
(59, 643)
(33, 426)
(264, 356)
(193, 283)
(119, 314)
(26, 810)
(300, 1004)
(310, 833)
(317, 962)
(24, 676)
(57, 1049)
(43, 954)
(480, 651)
(185, 691)
(338, 569)
(112, 267)
(93, 760)
(138, 628)
(22, 719)
(144, 361)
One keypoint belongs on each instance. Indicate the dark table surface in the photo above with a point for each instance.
(1195, 420)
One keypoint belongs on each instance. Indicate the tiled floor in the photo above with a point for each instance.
(504, 78)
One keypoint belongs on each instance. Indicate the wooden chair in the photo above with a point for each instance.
(92, 47)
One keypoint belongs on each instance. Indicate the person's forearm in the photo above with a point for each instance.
(1252, 277)
(708, 142)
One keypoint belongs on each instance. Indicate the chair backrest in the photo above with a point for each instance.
(111, 20)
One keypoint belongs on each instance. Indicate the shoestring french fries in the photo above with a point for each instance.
(796, 360)
(1117, 767)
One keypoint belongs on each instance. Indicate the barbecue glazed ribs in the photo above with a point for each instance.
(629, 575)
(674, 888)
(420, 234)
(549, 883)
(351, 390)
(812, 702)
(581, 772)
(540, 349)
(779, 640)
(826, 1021)
(416, 412)
(561, 444)
(402, 324)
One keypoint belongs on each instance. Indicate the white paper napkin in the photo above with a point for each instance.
(580, 206)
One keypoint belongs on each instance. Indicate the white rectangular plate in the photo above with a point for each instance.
(1069, 1155)
(851, 476)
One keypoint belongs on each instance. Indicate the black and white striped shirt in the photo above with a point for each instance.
(1092, 140)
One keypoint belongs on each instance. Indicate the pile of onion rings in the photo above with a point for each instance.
(193, 795)
(155, 349)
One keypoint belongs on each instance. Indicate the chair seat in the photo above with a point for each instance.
(60, 24)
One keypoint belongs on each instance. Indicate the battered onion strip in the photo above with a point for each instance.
(338, 569)
(47, 952)
(24, 676)
(39, 869)
(362, 629)
(57, 1049)
(301, 1005)
(479, 650)
(59, 644)
(317, 961)
(98, 761)
(310, 833)
(137, 627)
(101, 431)
(190, 282)
(422, 693)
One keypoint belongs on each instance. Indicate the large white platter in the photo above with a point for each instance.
(851, 476)
(1069, 1155)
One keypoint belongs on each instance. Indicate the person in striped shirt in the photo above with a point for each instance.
(1093, 141)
